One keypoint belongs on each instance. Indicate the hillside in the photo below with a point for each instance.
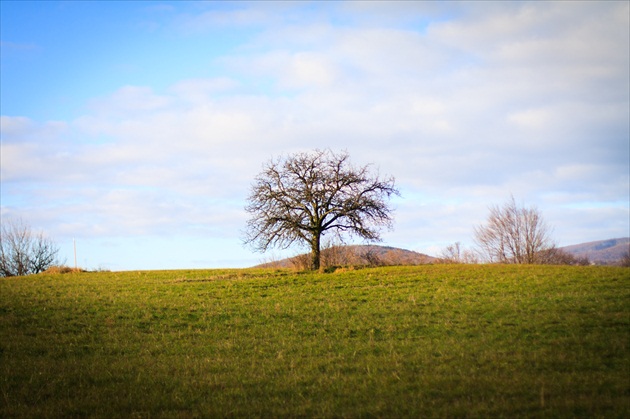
(356, 255)
(602, 252)
(436, 341)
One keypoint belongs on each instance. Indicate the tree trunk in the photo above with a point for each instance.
(315, 251)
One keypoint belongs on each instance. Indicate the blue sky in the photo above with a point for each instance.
(137, 127)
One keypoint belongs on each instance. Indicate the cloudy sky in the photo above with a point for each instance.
(137, 128)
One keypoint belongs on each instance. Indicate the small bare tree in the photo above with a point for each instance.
(335, 253)
(514, 235)
(299, 198)
(23, 252)
(556, 256)
(455, 253)
(452, 253)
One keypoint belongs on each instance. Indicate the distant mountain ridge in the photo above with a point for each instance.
(604, 252)
(601, 252)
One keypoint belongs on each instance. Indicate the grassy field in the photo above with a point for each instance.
(426, 341)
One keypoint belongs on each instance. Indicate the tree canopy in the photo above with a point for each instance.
(22, 251)
(515, 234)
(302, 196)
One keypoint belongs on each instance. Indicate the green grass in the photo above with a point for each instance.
(428, 341)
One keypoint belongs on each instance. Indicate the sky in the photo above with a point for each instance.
(136, 129)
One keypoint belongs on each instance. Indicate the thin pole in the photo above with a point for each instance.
(74, 242)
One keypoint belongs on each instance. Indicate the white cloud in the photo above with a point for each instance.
(130, 100)
(531, 118)
(213, 19)
(199, 91)
(18, 128)
(12, 126)
(310, 69)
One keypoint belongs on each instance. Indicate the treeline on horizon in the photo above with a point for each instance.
(339, 256)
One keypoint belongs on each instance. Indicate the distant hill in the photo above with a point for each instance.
(355, 255)
(603, 252)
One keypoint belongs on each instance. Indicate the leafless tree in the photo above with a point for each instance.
(23, 252)
(335, 253)
(514, 234)
(557, 256)
(452, 253)
(372, 256)
(302, 196)
(455, 253)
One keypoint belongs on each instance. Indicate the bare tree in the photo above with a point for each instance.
(557, 256)
(371, 256)
(299, 198)
(334, 254)
(514, 235)
(23, 252)
(455, 253)
(452, 253)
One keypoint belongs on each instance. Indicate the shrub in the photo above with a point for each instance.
(61, 269)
